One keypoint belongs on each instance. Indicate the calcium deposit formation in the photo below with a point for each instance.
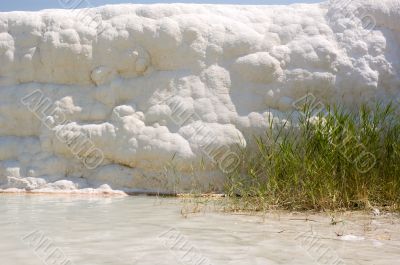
(157, 97)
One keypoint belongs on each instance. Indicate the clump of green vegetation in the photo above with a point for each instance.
(337, 159)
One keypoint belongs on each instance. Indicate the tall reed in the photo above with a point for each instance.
(338, 159)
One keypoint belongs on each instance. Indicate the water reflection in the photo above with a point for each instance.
(126, 230)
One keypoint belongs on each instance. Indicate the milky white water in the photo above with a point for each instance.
(147, 230)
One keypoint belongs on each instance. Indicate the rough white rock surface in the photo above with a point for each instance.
(117, 76)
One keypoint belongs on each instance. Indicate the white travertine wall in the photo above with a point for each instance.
(126, 96)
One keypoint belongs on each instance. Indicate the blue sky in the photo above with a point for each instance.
(13, 5)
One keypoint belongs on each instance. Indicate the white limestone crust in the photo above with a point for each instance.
(118, 82)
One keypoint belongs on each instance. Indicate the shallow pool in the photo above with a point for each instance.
(48, 229)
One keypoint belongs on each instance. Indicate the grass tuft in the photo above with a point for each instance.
(338, 159)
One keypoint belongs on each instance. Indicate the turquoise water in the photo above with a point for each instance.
(146, 230)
